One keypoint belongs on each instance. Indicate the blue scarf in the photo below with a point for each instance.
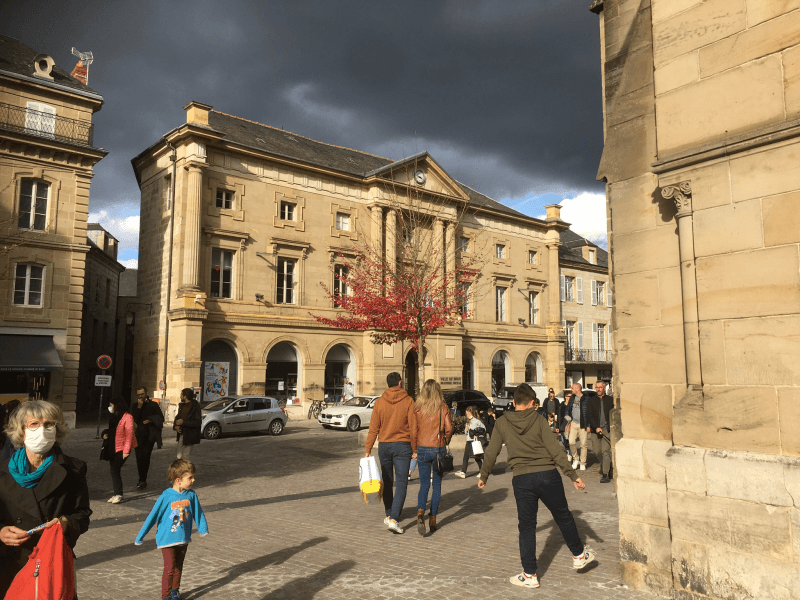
(19, 468)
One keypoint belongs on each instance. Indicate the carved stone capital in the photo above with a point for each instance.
(681, 194)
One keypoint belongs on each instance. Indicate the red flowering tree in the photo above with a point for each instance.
(413, 286)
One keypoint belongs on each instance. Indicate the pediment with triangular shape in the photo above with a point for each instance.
(433, 177)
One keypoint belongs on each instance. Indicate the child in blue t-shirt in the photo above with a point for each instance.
(173, 514)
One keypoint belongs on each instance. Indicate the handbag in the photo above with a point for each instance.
(370, 480)
(440, 463)
(105, 449)
(477, 447)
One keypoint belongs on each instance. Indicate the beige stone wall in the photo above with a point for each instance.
(702, 93)
(61, 248)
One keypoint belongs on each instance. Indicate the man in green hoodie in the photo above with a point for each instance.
(533, 453)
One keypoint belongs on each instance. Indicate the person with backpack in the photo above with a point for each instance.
(533, 454)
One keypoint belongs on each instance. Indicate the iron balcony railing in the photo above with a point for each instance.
(581, 355)
(46, 125)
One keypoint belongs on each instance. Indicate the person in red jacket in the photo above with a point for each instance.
(394, 424)
(120, 426)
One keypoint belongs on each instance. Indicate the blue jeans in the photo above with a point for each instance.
(425, 455)
(528, 490)
(395, 458)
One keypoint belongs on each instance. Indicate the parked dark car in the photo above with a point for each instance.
(460, 400)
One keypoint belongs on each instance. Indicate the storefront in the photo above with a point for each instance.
(26, 366)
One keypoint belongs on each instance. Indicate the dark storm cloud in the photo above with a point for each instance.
(505, 94)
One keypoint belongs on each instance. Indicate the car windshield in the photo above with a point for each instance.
(358, 401)
(218, 404)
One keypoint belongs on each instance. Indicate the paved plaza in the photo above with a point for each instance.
(286, 520)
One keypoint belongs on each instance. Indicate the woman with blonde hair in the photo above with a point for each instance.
(434, 430)
(38, 485)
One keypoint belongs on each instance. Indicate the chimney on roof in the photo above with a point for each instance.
(197, 113)
(553, 212)
(81, 70)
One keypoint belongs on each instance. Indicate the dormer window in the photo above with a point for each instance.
(592, 256)
(224, 199)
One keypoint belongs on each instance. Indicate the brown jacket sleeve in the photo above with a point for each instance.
(448, 427)
(374, 425)
(412, 424)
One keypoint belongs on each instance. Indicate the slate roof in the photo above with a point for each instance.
(570, 250)
(346, 160)
(16, 57)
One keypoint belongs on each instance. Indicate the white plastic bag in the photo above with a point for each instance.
(370, 482)
(477, 447)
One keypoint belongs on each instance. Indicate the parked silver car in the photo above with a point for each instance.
(232, 414)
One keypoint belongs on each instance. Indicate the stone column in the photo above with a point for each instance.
(450, 258)
(681, 194)
(377, 228)
(391, 238)
(554, 299)
(191, 229)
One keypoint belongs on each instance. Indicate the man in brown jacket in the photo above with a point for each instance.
(394, 424)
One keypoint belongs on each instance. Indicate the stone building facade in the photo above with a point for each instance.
(702, 138)
(585, 310)
(260, 217)
(47, 156)
(99, 329)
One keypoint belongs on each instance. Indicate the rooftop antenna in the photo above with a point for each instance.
(81, 70)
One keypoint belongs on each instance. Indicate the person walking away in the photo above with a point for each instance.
(434, 430)
(120, 429)
(147, 419)
(40, 484)
(599, 407)
(187, 423)
(474, 429)
(533, 454)
(579, 432)
(394, 425)
(173, 514)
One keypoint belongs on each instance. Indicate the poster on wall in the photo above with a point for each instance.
(215, 384)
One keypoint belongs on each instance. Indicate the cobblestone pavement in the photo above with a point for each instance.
(286, 520)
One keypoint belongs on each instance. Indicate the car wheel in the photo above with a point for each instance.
(212, 431)
(353, 423)
(276, 427)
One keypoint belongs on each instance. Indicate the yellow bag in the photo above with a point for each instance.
(370, 478)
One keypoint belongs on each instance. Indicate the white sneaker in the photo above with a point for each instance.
(523, 580)
(460, 474)
(583, 560)
(575, 464)
(583, 467)
(477, 475)
(386, 521)
(115, 499)
(393, 526)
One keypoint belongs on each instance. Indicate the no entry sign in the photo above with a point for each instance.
(104, 362)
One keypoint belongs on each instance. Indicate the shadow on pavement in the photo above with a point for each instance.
(307, 587)
(555, 541)
(95, 558)
(111, 521)
(276, 558)
(467, 502)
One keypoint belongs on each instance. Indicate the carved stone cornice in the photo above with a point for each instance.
(681, 194)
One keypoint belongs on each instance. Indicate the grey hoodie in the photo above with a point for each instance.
(530, 443)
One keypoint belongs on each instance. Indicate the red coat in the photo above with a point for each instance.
(125, 439)
(50, 571)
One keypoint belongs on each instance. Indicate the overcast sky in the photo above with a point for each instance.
(504, 94)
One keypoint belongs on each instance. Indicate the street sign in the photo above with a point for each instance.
(102, 380)
(104, 362)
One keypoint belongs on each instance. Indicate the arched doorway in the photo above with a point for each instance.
(340, 372)
(283, 372)
(467, 370)
(501, 371)
(410, 374)
(218, 371)
(533, 368)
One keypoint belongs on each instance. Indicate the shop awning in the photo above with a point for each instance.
(28, 353)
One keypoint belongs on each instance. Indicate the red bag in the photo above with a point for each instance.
(50, 571)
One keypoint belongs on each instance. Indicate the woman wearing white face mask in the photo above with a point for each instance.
(39, 479)
(121, 431)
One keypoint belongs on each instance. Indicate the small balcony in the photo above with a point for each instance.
(46, 125)
(582, 355)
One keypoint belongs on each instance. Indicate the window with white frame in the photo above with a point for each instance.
(600, 336)
(287, 281)
(464, 289)
(224, 199)
(287, 211)
(342, 221)
(592, 256)
(533, 307)
(500, 251)
(598, 293)
(28, 284)
(340, 273)
(500, 303)
(221, 273)
(408, 234)
(532, 258)
(569, 289)
(463, 244)
(33, 196)
(570, 330)
(40, 118)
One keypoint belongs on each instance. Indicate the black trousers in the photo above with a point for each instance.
(143, 452)
(116, 463)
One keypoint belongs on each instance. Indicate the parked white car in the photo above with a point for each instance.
(352, 415)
